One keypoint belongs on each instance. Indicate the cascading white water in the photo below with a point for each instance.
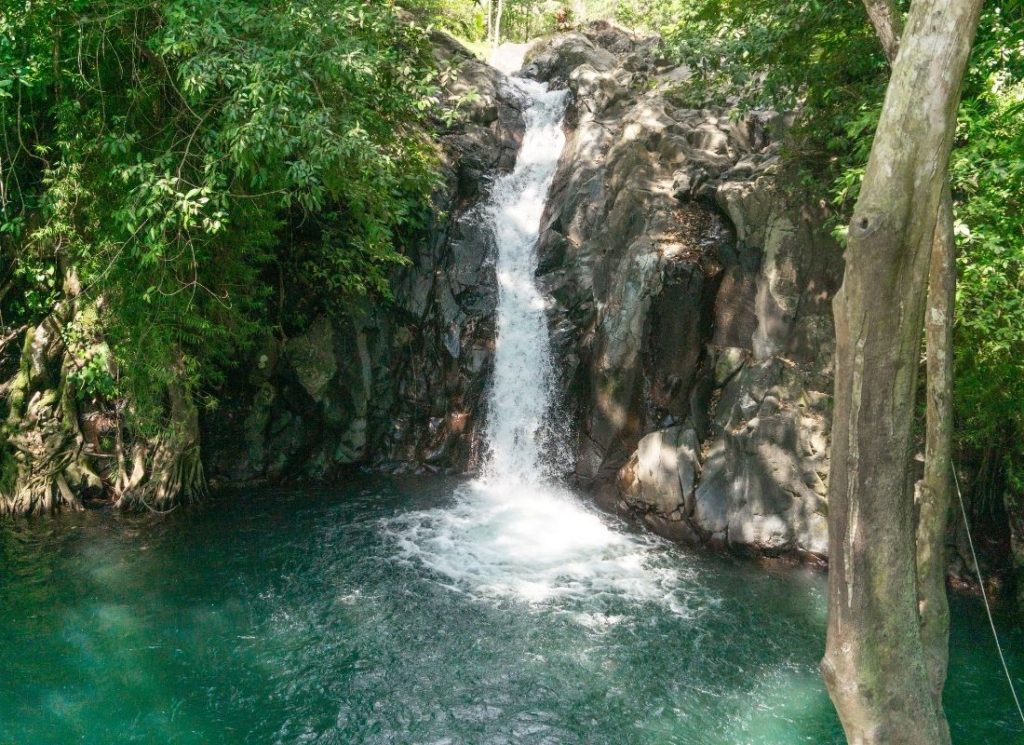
(515, 532)
(521, 393)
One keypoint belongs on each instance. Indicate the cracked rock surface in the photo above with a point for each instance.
(691, 305)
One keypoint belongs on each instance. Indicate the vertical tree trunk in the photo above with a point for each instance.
(497, 23)
(875, 665)
(490, 22)
(166, 469)
(885, 18)
(42, 450)
(934, 490)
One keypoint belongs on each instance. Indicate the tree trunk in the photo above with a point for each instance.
(875, 666)
(934, 490)
(47, 463)
(166, 469)
(490, 22)
(45, 468)
(885, 18)
(497, 23)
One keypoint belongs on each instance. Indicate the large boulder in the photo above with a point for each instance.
(690, 309)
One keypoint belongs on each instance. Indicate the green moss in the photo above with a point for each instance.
(16, 395)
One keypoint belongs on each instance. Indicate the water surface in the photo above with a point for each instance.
(304, 617)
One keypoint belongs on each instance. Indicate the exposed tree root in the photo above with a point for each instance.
(45, 463)
(45, 468)
(166, 470)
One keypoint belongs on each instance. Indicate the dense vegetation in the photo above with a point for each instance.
(479, 21)
(169, 168)
(181, 181)
(164, 153)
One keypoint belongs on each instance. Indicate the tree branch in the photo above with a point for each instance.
(885, 18)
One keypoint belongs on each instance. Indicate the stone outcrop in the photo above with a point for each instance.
(690, 305)
(402, 385)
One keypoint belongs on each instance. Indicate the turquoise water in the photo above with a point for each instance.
(324, 617)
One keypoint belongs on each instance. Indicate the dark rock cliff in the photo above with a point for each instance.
(689, 313)
(691, 305)
(403, 385)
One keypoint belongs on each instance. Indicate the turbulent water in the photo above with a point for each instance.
(515, 532)
(521, 394)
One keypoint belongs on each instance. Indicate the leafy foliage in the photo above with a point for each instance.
(175, 159)
(521, 20)
(463, 18)
(987, 172)
(528, 19)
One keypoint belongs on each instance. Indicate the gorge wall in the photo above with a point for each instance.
(689, 314)
(402, 385)
(692, 305)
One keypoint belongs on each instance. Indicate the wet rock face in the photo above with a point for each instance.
(403, 385)
(691, 305)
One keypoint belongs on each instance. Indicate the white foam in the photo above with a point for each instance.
(514, 533)
(538, 545)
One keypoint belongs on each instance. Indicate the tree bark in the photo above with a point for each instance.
(885, 18)
(44, 465)
(497, 23)
(166, 469)
(875, 665)
(490, 22)
(934, 495)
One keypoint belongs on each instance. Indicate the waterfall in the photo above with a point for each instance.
(515, 532)
(521, 393)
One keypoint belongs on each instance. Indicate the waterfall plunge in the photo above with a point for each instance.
(514, 532)
(521, 394)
